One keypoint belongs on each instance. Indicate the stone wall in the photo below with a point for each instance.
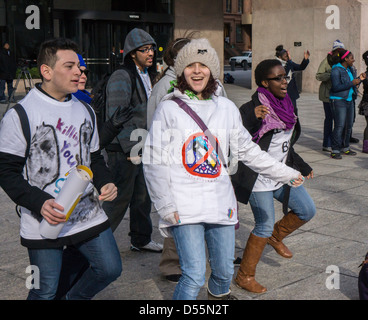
(288, 21)
(204, 16)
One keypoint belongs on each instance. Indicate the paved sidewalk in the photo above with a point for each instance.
(335, 238)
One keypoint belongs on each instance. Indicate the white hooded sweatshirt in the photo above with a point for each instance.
(183, 172)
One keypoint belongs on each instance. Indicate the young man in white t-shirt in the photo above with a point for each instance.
(63, 134)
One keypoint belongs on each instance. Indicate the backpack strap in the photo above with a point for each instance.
(25, 126)
(27, 135)
(132, 80)
(204, 128)
(90, 111)
(92, 115)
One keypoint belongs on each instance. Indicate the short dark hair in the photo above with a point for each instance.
(48, 49)
(263, 69)
(280, 50)
(334, 53)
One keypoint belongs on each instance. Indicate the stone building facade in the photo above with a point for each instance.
(309, 25)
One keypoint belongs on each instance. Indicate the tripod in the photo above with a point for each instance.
(26, 77)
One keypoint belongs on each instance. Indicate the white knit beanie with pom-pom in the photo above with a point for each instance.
(198, 50)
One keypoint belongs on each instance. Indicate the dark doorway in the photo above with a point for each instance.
(102, 43)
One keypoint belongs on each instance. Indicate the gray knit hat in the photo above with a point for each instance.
(198, 50)
(337, 44)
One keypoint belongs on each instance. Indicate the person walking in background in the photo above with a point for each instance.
(8, 67)
(290, 67)
(324, 75)
(343, 89)
(33, 179)
(82, 93)
(270, 119)
(187, 174)
(129, 88)
(114, 59)
(355, 96)
(363, 106)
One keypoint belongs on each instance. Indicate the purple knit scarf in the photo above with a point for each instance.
(281, 114)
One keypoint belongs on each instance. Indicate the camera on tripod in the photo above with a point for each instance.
(24, 64)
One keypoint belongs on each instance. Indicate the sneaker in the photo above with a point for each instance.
(336, 156)
(150, 246)
(237, 262)
(326, 149)
(173, 278)
(227, 296)
(349, 153)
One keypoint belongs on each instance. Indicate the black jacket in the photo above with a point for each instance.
(8, 65)
(245, 178)
(292, 89)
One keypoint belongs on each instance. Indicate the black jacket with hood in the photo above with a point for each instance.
(245, 178)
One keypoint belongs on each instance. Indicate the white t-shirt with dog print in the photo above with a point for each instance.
(62, 137)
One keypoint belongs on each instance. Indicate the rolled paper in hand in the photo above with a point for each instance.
(68, 197)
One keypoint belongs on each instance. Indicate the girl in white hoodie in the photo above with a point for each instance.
(187, 176)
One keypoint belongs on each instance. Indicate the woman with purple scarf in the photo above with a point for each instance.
(271, 119)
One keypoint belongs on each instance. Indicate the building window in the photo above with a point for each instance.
(228, 6)
(239, 33)
(240, 6)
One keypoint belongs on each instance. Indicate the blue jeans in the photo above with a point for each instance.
(327, 125)
(343, 116)
(105, 266)
(263, 208)
(190, 243)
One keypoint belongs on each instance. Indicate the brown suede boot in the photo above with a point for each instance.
(282, 228)
(245, 278)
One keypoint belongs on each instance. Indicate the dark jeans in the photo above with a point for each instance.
(9, 84)
(343, 116)
(132, 190)
(327, 126)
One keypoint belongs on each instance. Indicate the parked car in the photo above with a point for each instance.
(246, 57)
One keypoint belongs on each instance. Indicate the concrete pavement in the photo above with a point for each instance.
(336, 239)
